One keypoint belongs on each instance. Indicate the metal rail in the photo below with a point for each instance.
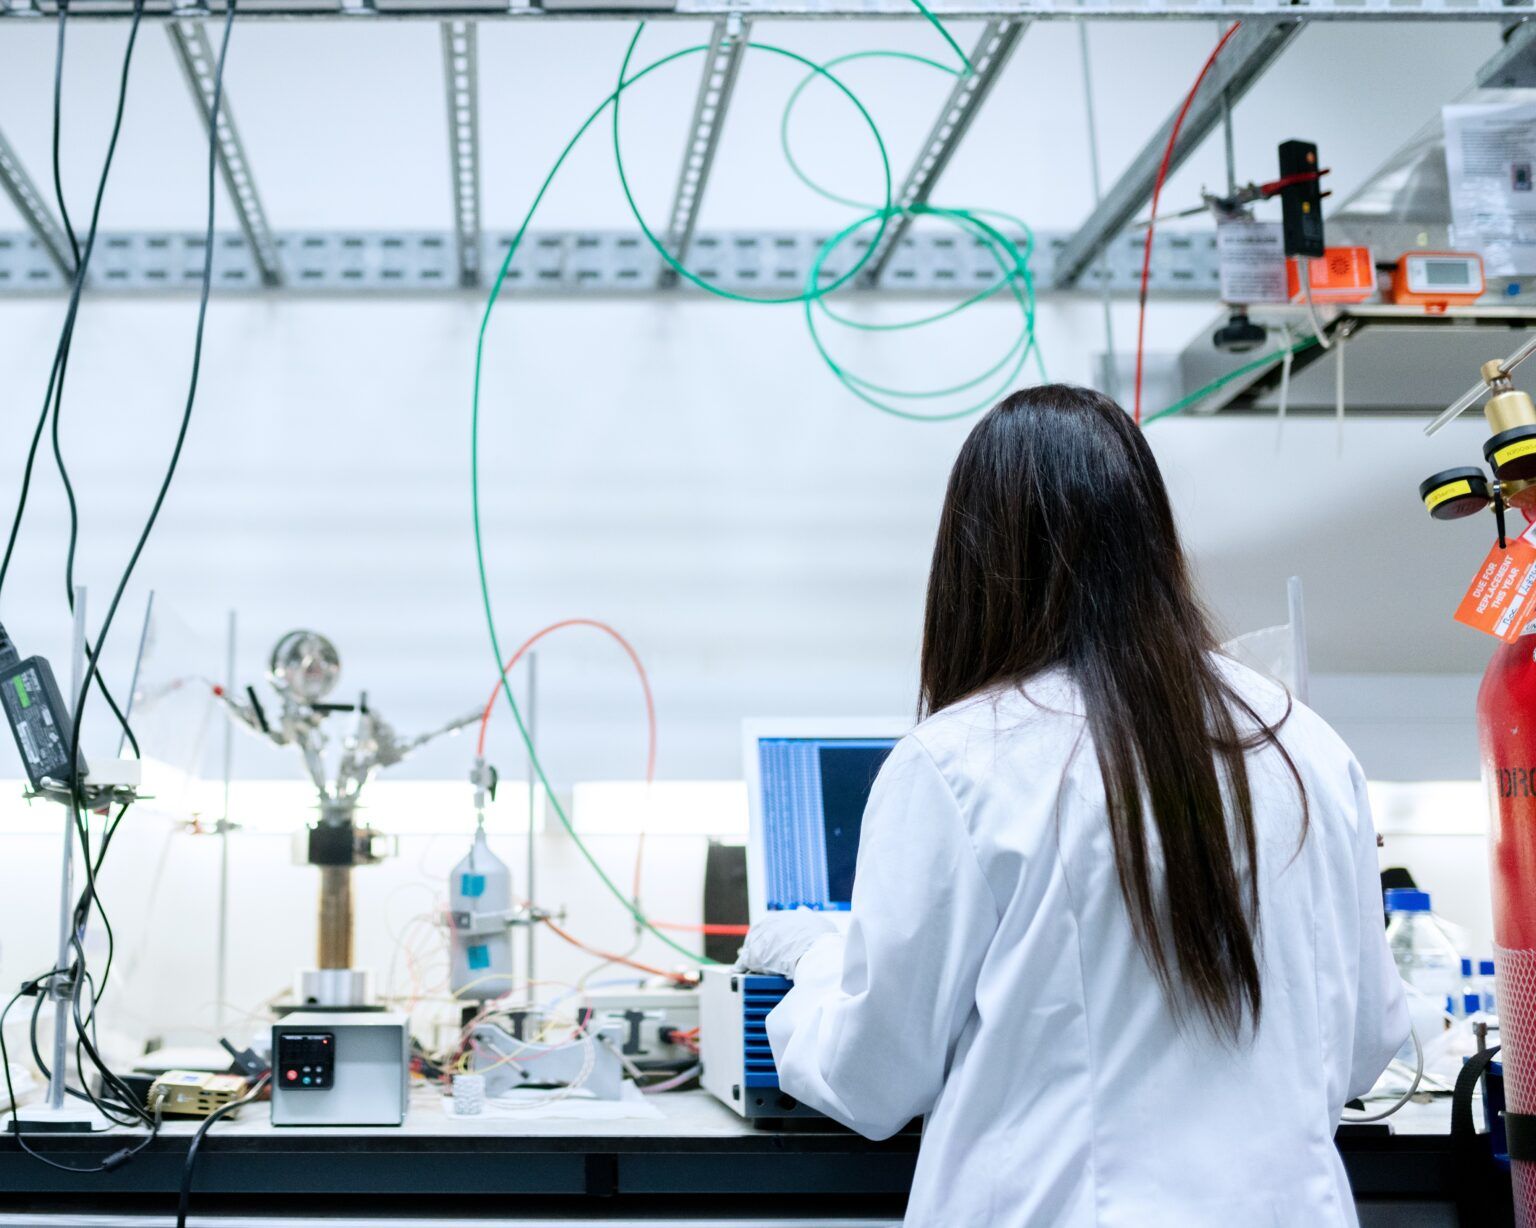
(767, 263)
(1251, 52)
(29, 202)
(993, 50)
(198, 61)
(461, 76)
(801, 10)
(722, 64)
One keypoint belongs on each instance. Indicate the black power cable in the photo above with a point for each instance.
(53, 401)
(191, 400)
(78, 972)
(117, 1158)
(69, 324)
(54, 394)
(58, 108)
(184, 1202)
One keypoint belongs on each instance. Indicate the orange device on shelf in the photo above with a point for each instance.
(1339, 275)
(1437, 280)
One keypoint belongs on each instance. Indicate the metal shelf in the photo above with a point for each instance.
(1398, 360)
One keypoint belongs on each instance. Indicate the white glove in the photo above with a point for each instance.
(775, 945)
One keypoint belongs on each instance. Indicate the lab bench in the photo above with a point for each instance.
(702, 1164)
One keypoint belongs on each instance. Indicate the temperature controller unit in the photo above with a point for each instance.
(340, 1068)
(733, 1043)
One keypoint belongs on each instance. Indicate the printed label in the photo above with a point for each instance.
(1436, 497)
(1514, 452)
(1501, 600)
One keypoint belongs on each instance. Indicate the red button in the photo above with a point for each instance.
(293, 1075)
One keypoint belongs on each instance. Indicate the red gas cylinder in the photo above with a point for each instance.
(1506, 718)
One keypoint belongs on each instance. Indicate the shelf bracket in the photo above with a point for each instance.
(34, 210)
(198, 62)
(722, 64)
(461, 76)
(997, 44)
(1252, 51)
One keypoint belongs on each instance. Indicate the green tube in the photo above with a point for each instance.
(1199, 394)
(1011, 260)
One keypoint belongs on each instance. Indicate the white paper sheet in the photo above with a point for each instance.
(526, 1104)
(1490, 160)
(1252, 257)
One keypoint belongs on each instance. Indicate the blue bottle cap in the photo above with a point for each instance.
(1485, 967)
(1466, 967)
(1407, 899)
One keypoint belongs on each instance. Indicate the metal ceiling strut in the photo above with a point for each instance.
(34, 210)
(1252, 51)
(461, 76)
(722, 65)
(198, 61)
(997, 44)
(802, 10)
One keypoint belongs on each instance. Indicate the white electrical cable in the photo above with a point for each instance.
(1418, 1077)
(1305, 276)
(1338, 390)
(691, 1073)
(1286, 360)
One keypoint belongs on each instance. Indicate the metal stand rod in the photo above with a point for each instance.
(1111, 372)
(532, 702)
(221, 950)
(1298, 619)
(60, 988)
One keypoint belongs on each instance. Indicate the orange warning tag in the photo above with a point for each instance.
(1502, 598)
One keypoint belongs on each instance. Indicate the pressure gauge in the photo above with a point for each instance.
(1454, 493)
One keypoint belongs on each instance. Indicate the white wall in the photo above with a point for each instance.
(686, 470)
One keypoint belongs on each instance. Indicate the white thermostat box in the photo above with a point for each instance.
(340, 1068)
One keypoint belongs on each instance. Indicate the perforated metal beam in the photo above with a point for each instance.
(1244, 60)
(722, 64)
(461, 76)
(198, 61)
(802, 10)
(996, 46)
(763, 263)
(34, 210)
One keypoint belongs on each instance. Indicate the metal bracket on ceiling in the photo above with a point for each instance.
(29, 202)
(1252, 51)
(199, 61)
(722, 64)
(997, 44)
(461, 76)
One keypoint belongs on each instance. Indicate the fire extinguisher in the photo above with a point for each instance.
(1506, 718)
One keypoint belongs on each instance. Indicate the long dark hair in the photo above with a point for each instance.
(1057, 548)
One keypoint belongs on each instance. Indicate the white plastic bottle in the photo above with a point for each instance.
(1427, 961)
(480, 902)
(1487, 986)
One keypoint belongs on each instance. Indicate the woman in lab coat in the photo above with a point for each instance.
(1116, 926)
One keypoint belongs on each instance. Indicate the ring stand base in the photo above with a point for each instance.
(39, 1119)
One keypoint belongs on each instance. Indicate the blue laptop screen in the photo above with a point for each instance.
(813, 795)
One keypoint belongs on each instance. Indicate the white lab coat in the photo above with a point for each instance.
(991, 983)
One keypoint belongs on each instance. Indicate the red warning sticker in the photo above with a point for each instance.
(1502, 598)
